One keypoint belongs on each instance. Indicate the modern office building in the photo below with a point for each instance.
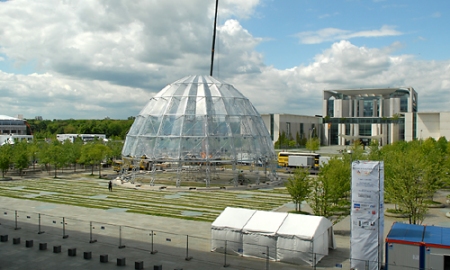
(12, 126)
(429, 125)
(294, 127)
(384, 114)
(12, 129)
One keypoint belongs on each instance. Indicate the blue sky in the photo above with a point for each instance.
(95, 59)
(420, 27)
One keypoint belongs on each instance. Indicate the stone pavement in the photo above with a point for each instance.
(127, 235)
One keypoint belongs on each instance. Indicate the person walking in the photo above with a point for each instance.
(110, 186)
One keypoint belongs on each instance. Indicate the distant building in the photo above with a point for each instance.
(292, 125)
(428, 124)
(12, 126)
(84, 137)
(385, 114)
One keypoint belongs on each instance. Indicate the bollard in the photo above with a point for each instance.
(120, 261)
(87, 255)
(29, 243)
(157, 267)
(72, 252)
(42, 246)
(4, 238)
(56, 249)
(16, 240)
(104, 258)
(139, 265)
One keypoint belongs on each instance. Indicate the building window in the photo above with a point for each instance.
(368, 108)
(404, 104)
(365, 129)
(301, 131)
(330, 111)
(288, 130)
(334, 136)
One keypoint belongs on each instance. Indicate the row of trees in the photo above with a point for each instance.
(414, 171)
(49, 128)
(59, 155)
(286, 141)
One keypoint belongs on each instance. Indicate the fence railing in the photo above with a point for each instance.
(182, 246)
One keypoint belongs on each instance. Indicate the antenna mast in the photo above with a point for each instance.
(214, 40)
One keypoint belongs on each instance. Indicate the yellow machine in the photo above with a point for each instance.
(127, 163)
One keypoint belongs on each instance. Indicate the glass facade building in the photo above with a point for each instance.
(384, 114)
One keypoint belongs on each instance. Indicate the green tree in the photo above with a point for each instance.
(55, 155)
(374, 151)
(299, 187)
(20, 155)
(405, 178)
(73, 151)
(282, 141)
(330, 191)
(43, 156)
(94, 153)
(313, 144)
(5, 158)
(115, 145)
(33, 151)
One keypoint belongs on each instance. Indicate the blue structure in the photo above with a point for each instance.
(417, 247)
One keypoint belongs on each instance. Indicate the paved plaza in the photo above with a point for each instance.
(136, 246)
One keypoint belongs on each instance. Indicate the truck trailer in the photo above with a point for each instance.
(301, 161)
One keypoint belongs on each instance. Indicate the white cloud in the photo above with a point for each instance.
(97, 60)
(334, 34)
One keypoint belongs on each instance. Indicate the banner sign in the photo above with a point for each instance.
(367, 215)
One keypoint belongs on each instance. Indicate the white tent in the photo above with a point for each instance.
(260, 234)
(227, 229)
(303, 238)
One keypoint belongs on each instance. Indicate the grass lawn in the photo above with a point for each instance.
(92, 192)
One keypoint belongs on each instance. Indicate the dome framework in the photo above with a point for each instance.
(199, 120)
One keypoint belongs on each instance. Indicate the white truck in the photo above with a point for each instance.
(301, 161)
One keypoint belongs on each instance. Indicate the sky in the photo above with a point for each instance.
(92, 59)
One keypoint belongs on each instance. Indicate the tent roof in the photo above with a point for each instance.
(233, 218)
(265, 222)
(294, 224)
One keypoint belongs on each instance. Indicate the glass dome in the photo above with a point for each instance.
(199, 119)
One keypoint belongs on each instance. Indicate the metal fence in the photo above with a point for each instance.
(183, 246)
